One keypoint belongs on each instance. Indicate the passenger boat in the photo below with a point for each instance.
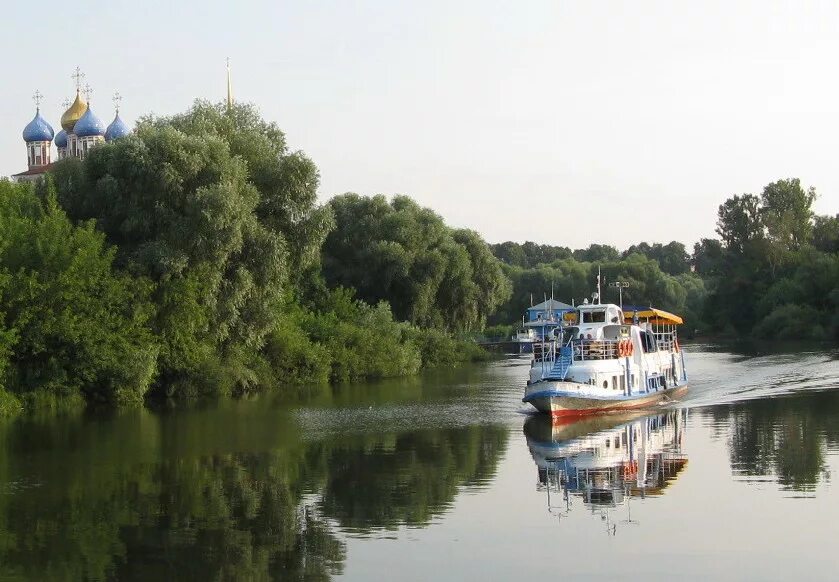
(606, 359)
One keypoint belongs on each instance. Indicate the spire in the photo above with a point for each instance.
(229, 87)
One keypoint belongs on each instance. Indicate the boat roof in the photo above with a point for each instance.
(550, 304)
(651, 314)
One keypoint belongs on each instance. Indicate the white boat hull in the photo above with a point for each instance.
(559, 398)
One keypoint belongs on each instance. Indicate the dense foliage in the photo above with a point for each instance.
(396, 251)
(775, 273)
(192, 257)
(69, 323)
(772, 274)
(152, 496)
(572, 279)
(185, 259)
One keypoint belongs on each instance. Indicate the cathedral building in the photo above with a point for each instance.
(81, 130)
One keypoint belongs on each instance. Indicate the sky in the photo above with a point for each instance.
(565, 123)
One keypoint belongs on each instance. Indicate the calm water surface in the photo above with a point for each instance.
(445, 477)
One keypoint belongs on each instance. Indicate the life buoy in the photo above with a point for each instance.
(630, 348)
(621, 349)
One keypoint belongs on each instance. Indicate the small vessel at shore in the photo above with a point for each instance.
(606, 358)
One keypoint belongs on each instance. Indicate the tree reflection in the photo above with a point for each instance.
(158, 496)
(384, 481)
(782, 437)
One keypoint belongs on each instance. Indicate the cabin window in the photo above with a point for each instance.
(605, 384)
(647, 341)
(614, 382)
(593, 316)
(623, 382)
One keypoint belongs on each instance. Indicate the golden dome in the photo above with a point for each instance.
(72, 115)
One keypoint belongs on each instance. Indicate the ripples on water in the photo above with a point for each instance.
(723, 378)
(445, 476)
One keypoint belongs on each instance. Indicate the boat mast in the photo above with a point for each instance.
(598, 285)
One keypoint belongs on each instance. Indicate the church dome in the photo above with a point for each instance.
(38, 129)
(61, 139)
(73, 114)
(117, 129)
(89, 125)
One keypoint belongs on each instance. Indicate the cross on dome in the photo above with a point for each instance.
(117, 99)
(78, 76)
(37, 98)
(88, 92)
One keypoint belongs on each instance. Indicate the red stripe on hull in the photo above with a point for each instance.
(573, 413)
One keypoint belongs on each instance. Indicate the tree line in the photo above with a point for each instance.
(773, 273)
(192, 257)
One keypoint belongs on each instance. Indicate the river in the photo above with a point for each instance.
(445, 476)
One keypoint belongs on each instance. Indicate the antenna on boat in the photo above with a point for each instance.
(621, 285)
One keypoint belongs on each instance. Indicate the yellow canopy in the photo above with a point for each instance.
(655, 316)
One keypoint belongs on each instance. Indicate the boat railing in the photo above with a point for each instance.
(666, 341)
(544, 351)
(595, 349)
(582, 350)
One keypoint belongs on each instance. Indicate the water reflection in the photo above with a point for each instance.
(144, 495)
(785, 439)
(275, 488)
(605, 461)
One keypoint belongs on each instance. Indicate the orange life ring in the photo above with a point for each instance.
(630, 348)
(620, 349)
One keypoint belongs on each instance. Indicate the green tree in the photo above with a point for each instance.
(826, 233)
(69, 323)
(597, 253)
(787, 213)
(672, 257)
(181, 210)
(286, 181)
(401, 253)
(739, 222)
(212, 207)
(707, 257)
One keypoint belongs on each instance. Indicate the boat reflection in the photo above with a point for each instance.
(605, 461)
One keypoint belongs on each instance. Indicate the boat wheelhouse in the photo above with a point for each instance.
(605, 358)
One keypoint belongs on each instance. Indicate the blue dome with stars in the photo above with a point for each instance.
(38, 129)
(117, 129)
(61, 139)
(89, 125)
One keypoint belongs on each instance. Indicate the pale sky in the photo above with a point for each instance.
(640, 116)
